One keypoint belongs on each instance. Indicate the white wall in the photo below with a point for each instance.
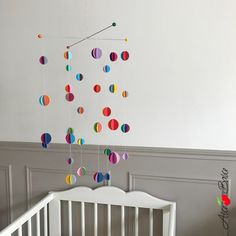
(181, 74)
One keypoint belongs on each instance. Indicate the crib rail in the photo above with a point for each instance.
(26, 218)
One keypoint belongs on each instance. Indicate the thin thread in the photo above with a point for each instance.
(98, 158)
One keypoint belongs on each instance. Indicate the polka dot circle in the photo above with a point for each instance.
(96, 53)
(44, 100)
(43, 60)
(106, 111)
(97, 127)
(113, 124)
(125, 56)
(97, 88)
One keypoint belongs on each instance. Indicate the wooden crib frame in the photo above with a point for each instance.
(103, 195)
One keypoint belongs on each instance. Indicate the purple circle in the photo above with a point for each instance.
(96, 53)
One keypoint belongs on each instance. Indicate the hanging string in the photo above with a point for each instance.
(98, 157)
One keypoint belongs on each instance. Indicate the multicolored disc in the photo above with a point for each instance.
(106, 111)
(125, 128)
(71, 179)
(68, 88)
(80, 110)
(97, 88)
(98, 177)
(114, 158)
(68, 67)
(70, 161)
(97, 127)
(107, 176)
(106, 68)
(70, 138)
(79, 77)
(125, 156)
(70, 131)
(46, 138)
(107, 151)
(113, 56)
(67, 55)
(44, 100)
(43, 60)
(124, 56)
(125, 94)
(81, 141)
(113, 88)
(96, 53)
(81, 171)
(113, 124)
(70, 97)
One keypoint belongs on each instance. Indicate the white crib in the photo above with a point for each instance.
(49, 209)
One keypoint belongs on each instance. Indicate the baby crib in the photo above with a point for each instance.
(48, 212)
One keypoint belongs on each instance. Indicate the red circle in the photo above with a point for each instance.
(68, 88)
(69, 97)
(113, 124)
(125, 56)
(97, 88)
(106, 111)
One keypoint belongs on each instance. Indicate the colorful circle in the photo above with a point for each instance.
(106, 111)
(70, 138)
(107, 151)
(96, 53)
(97, 88)
(70, 97)
(80, 110)
(68, 88)
(81, 141)
(106, 68)
(125, 156)
(125, 56)
(114, 158)
(68, 67)
(125, 128)
(113, 88)
(79, 77)
(107, 176)
(46, 138)
(67, 55)
(125, 94)
(82, 171)
(71, 179)
(113, 124)
(113, 56)
(98, 177)
(70, 131)
(44, 100)
(97, 127)
(43, 60)
(70, 161)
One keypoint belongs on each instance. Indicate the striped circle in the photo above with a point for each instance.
(125, 94)
(97, 127)
(70, 161)
(46, 138)
(114, 158)
(44, 100)
(81, 141)
(80, 110)
(70, 131)
(43, 60)
(113, 88)
(113, 124)
(97, 88)
(96, 53)
(79, 77)
(71, 179)
(124, 55)
(81, 171)
(68, 67)
(68, 55)
(125, 128)
(125, 156)
(70, 138)
(70, 97)
(106, 68)
(68, 88)
(106, 111)
(113, 56)
(107, 176)
(107, 151)
(98, 177)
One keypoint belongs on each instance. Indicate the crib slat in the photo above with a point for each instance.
(136, 221)
(45, 217)
(108, 220)
(20, 231)
(82, 219)
(29, 227)
(95, 219)
(70, 218)
(122, 221)
(150, 222)
(38, 223)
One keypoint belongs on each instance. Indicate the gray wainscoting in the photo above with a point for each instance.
(189, 177)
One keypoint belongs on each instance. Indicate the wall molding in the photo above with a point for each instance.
(137, 152)
(9, 193)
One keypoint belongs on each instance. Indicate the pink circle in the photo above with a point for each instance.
(114, 158)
